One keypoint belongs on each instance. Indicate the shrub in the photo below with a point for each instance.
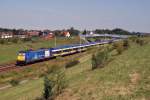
(14, 82)
(8, 41)
(126, 44)
(119, 47)
(55, 83)
(138, 41)
(141, 42)
(94, 62)
(99, 59)
(71, 63)
(2, 41)
(48, 85)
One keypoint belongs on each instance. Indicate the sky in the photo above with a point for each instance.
(132, 15)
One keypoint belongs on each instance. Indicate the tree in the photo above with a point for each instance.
(103, 31)
(14, 32)
(120, 31)
(84, 32)
(47, 88)
(57, 32)
(73, 31)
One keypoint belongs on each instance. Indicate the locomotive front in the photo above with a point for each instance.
(21, 58)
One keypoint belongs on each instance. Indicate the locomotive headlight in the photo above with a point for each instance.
(21, 57)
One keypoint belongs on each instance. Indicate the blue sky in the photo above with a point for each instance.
(132, 15)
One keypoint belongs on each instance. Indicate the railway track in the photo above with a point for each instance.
(7, 67)
(13, 66)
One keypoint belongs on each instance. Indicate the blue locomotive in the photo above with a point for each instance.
(29, 56)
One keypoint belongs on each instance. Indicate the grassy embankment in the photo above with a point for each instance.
(8, 52)
(125, 77)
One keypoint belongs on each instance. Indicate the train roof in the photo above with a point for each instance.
(65, 47)
(31, 50)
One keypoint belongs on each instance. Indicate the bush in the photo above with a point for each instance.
(99, 59)
(10, 40)
(2, 41)
(119, 47)
(94, 62)
(55, 83)
(48, 85)
(14, 82)
(126, 44)
(141, 42)
(72, 63)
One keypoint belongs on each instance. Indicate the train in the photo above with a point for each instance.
(31, 56)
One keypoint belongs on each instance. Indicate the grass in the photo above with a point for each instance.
(125, 77)
(26, 91)
(35, 70)
(33, 88)
(8, 52)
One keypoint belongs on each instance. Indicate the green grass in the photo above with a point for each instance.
(26, 91)
(33, 88)
(126, 77)
(8, 52)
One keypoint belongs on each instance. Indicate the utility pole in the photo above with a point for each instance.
(80, 41)
(55, 41)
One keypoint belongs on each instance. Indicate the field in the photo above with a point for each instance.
(125, 77)
(8, 52)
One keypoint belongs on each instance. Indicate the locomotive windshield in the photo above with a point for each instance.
(21, 56)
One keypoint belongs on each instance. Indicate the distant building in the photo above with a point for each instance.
(66, 34)
(22, 36)
(6, 35)
(91, 33)
(43, 33)
(48, 36)
(33, 33)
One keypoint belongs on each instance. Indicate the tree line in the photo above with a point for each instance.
(74, 31)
